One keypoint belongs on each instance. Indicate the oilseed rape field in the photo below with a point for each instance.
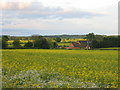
(38, 68)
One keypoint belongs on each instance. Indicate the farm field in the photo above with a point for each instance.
(38, 68)
(111, 48)
(64, 42)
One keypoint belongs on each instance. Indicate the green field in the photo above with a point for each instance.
(111, 48)
(63, 43)
(59, 68)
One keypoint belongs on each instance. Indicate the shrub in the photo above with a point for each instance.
(16, 43)
(28, 44)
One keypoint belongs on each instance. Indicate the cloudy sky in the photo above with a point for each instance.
(50, 17)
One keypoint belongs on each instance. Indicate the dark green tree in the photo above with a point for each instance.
(37, 43)
(16, 44)
(35, 37)
(4, 40)
(58, 39)
(95, 44)
(4, 37)
(45, 44)
(55, 45)
(110, 41)
(0, 43)
(90, 36)
(41, 43)
(118, 41)
(28, 44)
(4, 44)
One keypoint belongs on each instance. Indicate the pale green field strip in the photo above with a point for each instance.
(111, 48)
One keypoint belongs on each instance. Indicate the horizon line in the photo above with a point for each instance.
(56, 34)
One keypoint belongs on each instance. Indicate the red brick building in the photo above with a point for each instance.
(80, 45)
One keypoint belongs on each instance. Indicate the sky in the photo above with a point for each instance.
(54, 17)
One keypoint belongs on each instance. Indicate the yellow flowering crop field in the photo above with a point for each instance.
(38, 68)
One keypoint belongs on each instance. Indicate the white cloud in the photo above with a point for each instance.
(82, 4)
(38, 10)
(11, 4)
(46, 16)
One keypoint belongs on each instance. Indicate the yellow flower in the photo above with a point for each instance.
(17, 82)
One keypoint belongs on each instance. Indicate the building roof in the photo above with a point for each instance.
(76, 44)
(84, 41)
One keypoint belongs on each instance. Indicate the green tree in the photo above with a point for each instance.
(118, 41)
(0, 43)
(110, 41)
(28, 44)
(6, 38)
(41, 43)
(35, 37)
(16, 43)
(4, 44)
(95, 44)
(55, 45)
(90, 36)
(58, 39)
(37, 43)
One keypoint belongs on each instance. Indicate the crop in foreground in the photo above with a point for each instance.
(59, 69)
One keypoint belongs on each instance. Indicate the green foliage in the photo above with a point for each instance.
(55, 45)
(0, 43)
(99, 41)
(28, 44)
(99, 37)
(6, 38)
(16, 43)
(4, 44)
(35, 37)
(90, 36)
(109, 41)
(41, 43)
(95, 44)
(58, 39)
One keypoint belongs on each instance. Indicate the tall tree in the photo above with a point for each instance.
(41, 43)
(4, 44)
(95, 44)
(90, 36)
(55, 45)
(4, 41)
(5, 37)
(58, 39)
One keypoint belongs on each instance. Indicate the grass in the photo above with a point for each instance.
(63, 44)
(72, 40)
(35, 68)
(111, 48)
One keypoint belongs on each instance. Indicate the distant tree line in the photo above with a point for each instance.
(101, 41)
(53, 37)
(39, 42)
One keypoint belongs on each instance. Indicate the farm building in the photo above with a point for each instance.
(80, 45)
